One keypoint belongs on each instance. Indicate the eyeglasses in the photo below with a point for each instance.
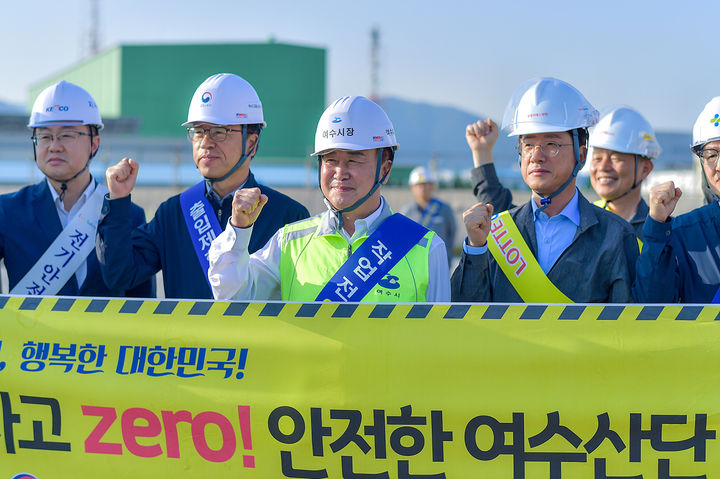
(709, 156)
(217, 133)
(65, 138)
(549, 149)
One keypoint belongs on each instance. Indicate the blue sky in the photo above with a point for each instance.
(660, 57)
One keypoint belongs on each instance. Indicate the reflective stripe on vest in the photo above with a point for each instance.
(517, 262)
(604, 205)
(308, 261)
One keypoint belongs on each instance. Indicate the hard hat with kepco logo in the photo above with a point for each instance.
(624, 130)
(64, 104)
(707, 125)
(225, 99)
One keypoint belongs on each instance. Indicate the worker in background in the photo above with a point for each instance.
(357, 250)
(47, 230)
(428, 210)
(557, 247)
(224, 123)
(680, 260)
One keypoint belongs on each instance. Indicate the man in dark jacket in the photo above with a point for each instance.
(47, 230)
(224, 124)
(680, 260)
(555, 248)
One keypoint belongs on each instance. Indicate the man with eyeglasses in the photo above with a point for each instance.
(355, 251)
(224, 124)
(621, 151)
(47, 230)
(680, 261)
(555, 248)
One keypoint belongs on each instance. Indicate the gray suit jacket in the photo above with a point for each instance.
(597, 267)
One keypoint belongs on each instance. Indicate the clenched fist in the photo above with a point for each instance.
(246, 207)
(477, 223)
(121, 177)
(481, 137)
(663, 199)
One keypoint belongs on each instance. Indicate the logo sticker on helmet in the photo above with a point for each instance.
(377, 139)
(57, 108)
(206, 97)
(716, 119)
(240, 115)
(337, 119)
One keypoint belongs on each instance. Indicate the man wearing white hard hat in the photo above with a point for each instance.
(622, 149)
(623, 146)
(554, 248)
(355, 251)
(47, 230)
(680, 260)
(224, 123)
(428, 210)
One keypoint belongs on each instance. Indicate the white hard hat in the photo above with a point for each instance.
(624, 130)
(64, 104)
(225, 99)
(547, 105)
(353, 123)
(421, 175)
(707, 125)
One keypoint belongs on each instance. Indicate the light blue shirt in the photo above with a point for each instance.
(553, 235)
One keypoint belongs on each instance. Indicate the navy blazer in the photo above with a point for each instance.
(129, 255)
(29, 223)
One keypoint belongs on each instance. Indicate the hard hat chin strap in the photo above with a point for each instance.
(243, 157)
(546, 200)
(378, 182)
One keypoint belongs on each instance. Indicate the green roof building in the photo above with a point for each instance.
(154, 84)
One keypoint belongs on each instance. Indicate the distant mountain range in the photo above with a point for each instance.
(11, 109)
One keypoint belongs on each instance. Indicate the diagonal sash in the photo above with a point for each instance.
(202, 224)
(516, 260)
(373, 259)
(67, 252)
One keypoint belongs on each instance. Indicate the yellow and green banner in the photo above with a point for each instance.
(145, 389)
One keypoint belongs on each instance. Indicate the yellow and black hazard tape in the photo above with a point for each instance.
(448, 311)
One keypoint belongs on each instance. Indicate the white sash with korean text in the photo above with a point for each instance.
(67, 253)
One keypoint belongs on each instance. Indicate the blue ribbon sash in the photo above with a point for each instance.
(373, 259)
(202, 224)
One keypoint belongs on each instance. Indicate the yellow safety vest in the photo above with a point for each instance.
(310, 259)
(517, 262)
